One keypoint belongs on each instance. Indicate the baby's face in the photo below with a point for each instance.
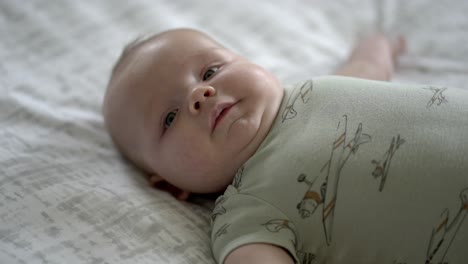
(202, 110)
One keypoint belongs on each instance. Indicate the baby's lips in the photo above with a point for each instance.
(217, 111)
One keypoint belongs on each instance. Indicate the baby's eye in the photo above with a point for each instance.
(207, 75)
(170, 118)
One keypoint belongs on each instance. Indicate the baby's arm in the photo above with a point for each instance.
(259, 253)
(373, 58)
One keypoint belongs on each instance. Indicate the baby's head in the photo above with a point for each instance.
(187, 110)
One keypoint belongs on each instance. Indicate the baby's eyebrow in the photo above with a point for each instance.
(200, 54)
(204, 51)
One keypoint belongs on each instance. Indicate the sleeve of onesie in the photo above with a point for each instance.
(241, 219)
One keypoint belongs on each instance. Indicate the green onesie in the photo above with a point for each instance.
(355, 171)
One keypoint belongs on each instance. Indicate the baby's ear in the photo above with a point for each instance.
(159, 183)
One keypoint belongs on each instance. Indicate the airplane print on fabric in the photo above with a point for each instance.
(219, 208)
(382, 166)
(445, 231)
(276, 225)
(281, 225)
(438, 97)
(223, 230)
(325, 193)
(238, 178)
(303, 94)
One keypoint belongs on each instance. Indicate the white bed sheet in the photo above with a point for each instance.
(66, 196)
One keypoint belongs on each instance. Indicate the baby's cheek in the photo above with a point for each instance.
(189, 154)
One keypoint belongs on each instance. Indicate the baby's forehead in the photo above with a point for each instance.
(168, 42)
(160, 58)
(178, 43)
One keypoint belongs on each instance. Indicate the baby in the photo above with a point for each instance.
(329, 170)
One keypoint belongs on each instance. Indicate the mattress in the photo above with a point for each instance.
(67, 196)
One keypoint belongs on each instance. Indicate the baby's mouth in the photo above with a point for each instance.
(219, 113)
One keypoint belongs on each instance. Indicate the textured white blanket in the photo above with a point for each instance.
(66, 196)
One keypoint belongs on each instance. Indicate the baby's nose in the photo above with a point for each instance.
(198, 97)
